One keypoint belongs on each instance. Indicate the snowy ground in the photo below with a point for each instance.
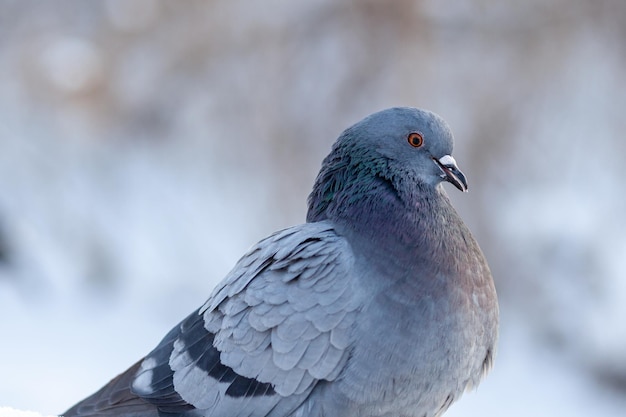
(12, 412)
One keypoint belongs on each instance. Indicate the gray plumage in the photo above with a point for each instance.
(382, 304)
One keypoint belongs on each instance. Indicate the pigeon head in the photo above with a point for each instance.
(401, 151)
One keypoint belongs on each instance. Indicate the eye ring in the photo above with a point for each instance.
(415, 139)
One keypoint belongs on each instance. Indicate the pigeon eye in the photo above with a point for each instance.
(415, 139)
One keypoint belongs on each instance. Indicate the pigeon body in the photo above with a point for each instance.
(381, 304)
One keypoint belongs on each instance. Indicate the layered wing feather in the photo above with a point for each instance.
(278, 324)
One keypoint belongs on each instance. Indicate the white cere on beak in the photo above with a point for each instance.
(447, 160)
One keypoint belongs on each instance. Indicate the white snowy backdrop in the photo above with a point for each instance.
(145, 145)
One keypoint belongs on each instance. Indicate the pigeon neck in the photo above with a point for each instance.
(403, 241)
(408, 228)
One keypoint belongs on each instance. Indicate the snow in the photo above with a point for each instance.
(11, 412)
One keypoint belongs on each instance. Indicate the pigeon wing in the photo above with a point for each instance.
(279, 323)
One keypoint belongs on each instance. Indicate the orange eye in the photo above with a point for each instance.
(415, 139)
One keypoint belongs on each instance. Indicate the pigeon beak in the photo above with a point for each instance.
(451, 173)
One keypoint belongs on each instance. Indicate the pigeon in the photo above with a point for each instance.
(380, 304)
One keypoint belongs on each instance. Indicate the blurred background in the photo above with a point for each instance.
(145, 145)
